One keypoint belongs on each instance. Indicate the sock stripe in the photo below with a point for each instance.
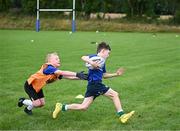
(120, 113)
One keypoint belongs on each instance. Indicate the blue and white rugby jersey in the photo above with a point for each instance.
(95, 75)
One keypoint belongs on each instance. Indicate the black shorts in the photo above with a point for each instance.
(95, 89)
(33, 95)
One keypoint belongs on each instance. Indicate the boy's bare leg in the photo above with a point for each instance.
(83, 106)
(115, 98)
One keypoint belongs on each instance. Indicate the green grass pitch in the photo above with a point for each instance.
(150, 85)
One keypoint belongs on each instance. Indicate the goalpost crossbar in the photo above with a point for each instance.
(63, 10)
(50, 10)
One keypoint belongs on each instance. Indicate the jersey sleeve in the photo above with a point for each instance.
(104, 68)
(49, 70)
(92, 55)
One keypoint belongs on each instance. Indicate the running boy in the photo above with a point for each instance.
(48, 73)
(95, 86)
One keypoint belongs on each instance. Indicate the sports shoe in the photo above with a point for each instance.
(125, 117)
(20, 102)
(29, 112)
(58, 108)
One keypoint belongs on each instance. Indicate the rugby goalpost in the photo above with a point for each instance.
(62, 10)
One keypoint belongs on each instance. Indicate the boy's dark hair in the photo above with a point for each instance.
(103, 45)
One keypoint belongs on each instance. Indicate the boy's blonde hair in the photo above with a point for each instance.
(48, 56)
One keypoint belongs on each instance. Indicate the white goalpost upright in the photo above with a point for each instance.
(63, 10)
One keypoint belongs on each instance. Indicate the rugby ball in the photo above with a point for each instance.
(98, 59)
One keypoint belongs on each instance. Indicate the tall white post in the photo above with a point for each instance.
(73, 19)
(37, 19)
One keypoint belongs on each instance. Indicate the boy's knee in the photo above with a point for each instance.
(42, 103)
(38, 104)
(115, 94)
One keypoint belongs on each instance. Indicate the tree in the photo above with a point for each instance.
(29, 6)
(5, 5)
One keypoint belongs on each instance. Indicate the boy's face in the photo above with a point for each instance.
(54, 60)
(105, 53)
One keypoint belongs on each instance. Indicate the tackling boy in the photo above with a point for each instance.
(48, 73)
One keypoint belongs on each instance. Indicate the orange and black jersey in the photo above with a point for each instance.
(43, 76)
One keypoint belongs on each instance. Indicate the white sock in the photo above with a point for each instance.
(121, 110)
(27, 102)
(30, 107)
(66, 108)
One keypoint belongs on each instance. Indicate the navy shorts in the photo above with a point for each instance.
(95, 89)
(33, 95)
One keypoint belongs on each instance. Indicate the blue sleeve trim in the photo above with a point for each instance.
(49, 70)
(92, 55)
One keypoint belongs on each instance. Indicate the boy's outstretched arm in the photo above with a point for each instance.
(71, 75)
(119, 72)
(65, 73)
(79, 76)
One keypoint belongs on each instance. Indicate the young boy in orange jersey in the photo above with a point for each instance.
(95, 87)
(48, 73)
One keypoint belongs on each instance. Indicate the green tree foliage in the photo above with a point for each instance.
(29, 6)
(5, 5)
(138, 8)
(177, 17)
(133, 8)
(177, 12)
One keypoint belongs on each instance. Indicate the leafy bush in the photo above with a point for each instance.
(29, 6)
(177, 17)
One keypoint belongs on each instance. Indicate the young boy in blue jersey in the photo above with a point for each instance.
(48, 73)
(95, 86)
